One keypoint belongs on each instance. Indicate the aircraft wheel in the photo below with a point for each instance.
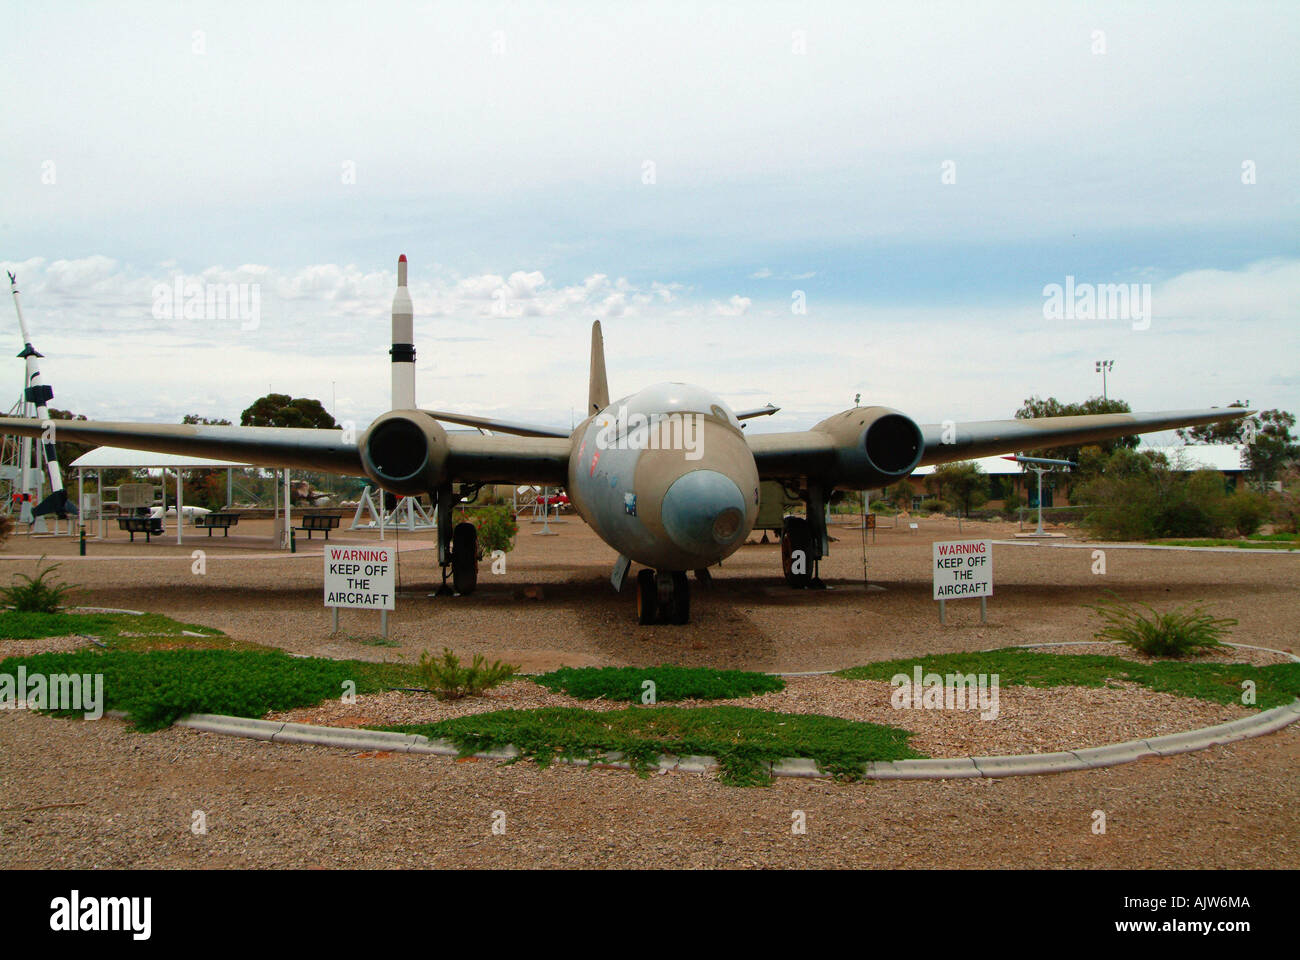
(796, 546)
(679, 605)
(464, 557)
(647, 597)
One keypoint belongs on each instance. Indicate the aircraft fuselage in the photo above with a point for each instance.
(665, 477)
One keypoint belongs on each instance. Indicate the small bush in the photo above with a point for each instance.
(450, 681)
(1247, 510)
(1180, 632)
(37, 595)
(496, 528)
(934, 506)
(1012, 502)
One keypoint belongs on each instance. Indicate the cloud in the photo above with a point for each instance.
(1216, 335)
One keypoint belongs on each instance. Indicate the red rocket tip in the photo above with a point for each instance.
(402, 258)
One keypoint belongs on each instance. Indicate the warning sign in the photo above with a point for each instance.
(362, 577)
(963, 569)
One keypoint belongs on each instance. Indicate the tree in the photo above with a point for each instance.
(1225, 431)
(279, 410)
(1035, 407)
(1272, 447)
(962, 484)
(209, 421)
(65, 450)
(1267, 444)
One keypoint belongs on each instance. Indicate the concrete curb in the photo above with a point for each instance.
(949, 768)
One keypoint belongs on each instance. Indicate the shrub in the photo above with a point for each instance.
(37, 595)
(496, 528)
(448, 680)
(1180, 632)
(1011, 503)
(1247, 510)
(1286, 503)
(1157, 502)
(934, 506)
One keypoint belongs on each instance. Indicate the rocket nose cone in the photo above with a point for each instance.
(703, 512)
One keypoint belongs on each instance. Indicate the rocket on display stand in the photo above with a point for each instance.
(38, 394)
(403, 351)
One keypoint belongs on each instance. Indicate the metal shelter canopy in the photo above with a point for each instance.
(120, 458)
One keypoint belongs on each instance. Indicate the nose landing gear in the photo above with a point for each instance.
(663, 597)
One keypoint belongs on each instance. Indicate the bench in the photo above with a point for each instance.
(315, 521)
(146, 525)
(217, 521)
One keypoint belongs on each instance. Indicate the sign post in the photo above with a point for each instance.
(961, 569)
(363, 578)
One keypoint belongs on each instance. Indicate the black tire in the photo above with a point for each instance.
(647, 597)
(796, 535)
(464, 558)
(679, 607)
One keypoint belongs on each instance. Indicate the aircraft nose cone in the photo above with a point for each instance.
(703, 511)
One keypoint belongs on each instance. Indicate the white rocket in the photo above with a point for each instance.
(38, 394)
(403, 351)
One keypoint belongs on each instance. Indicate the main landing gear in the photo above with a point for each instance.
(457, 545)
(803, 544)
(663, 597)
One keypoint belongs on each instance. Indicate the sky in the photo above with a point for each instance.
(789, 202)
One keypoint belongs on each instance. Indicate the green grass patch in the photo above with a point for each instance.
(1275, 685)
(670, 683)
(105, 626)
(741, 738)
(1288, 544)
(156, 687)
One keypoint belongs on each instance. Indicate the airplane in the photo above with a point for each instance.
(665, 476)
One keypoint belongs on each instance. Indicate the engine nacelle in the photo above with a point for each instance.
(405, 452)
(873, 446)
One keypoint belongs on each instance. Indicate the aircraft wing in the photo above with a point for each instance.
(814, 453)
(300, 447)
(472, 458)
(987, 438)
(515, 427)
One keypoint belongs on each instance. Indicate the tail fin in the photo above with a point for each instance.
(598, 391)
(56, 503)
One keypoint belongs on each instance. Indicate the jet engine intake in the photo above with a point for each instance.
(873, 446)
(405, 452)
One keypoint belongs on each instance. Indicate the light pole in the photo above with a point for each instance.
(1102, 367)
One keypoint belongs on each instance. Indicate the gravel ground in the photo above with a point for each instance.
(27, 648)
(277, 805)
(746, 619)
(274, 805)
(1029, 720)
